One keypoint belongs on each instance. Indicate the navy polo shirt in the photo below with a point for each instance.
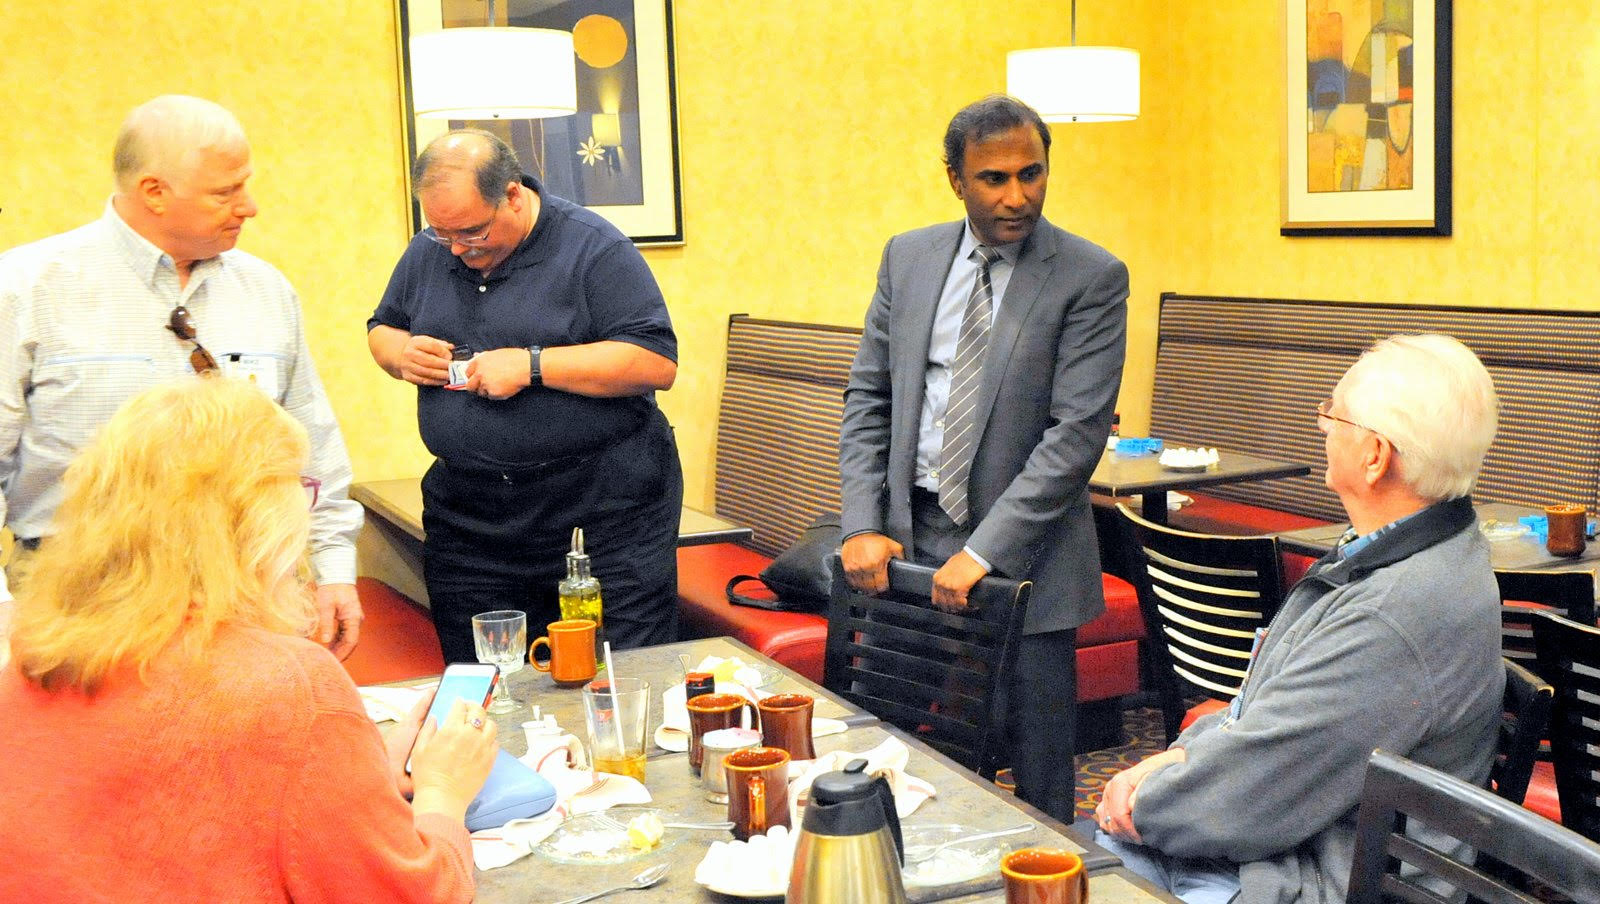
(575, 279)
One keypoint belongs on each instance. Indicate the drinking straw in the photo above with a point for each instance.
(616, 705)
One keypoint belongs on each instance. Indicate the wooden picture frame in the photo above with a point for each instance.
(1366, 146)
(618, 155)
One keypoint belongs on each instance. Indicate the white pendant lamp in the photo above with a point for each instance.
(493, 73)
(1076, 83)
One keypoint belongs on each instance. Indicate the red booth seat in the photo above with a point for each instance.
(1108, 648)
(1211, 515)
(397, 637)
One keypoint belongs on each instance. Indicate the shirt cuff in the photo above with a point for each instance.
(979, 559)
(335, 565)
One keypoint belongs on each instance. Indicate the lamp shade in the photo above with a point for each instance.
(1076, 84)
(493, 73)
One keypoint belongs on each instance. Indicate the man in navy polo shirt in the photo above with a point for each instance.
(555, 426)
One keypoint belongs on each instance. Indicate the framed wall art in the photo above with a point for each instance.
(1366, 137)
(618, 155)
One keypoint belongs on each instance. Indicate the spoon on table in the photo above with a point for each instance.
(645, 879)
(921, 853)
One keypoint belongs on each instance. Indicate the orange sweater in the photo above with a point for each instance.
(255, 778)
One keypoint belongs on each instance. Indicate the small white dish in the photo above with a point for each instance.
(1503, 530)
(956, 863)
(1184, 459)
(758, 868)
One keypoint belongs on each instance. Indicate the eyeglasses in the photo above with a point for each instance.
(313, 488)
(469, 241)
(1324, 408)
(182, 325)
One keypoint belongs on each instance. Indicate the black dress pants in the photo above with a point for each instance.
(1040, 704)
(499, 539)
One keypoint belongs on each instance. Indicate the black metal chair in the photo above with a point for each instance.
(1203, 599)
(932, 673)
(1391, 864)
(1569, 658)
(1525, 716)
(1569, 594)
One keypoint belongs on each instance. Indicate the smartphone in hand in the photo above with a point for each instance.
(470, 681)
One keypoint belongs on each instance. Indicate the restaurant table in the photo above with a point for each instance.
(1523, 553)
(961, 798)
(390, 545)
(1128, 475)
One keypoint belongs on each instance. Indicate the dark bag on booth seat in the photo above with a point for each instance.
(799, 575)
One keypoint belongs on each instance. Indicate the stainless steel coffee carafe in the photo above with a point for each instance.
(849, 850)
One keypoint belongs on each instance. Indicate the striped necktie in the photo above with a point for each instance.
(966, 375)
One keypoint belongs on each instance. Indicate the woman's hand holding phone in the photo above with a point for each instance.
(450, 762)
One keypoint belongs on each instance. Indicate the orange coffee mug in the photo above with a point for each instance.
(786, 723)
(758, 790)
(571, 646)
(712, 712)
(1567, 525)
(1044, 876)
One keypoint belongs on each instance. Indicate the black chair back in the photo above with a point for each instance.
(1569, 594)
(1522, 843)
(1525, 716)
(1569, 658)
(1203, 598)
(932, 673)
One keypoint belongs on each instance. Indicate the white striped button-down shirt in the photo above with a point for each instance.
(83, 328)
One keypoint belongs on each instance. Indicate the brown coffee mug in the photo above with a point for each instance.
(710, 712)
(786, 723)
(571, 646)
(1567, 526)
(758, 790)
(1044, 876)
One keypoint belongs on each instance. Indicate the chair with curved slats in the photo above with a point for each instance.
(1204, 598)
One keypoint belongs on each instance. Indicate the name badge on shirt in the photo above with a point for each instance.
(260, 371)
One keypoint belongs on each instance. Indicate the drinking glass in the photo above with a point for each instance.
(501, 638)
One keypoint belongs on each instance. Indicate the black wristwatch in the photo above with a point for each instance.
(535, 378)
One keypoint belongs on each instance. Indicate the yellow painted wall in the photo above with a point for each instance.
(810, 133)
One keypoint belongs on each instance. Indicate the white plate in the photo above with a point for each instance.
(745, 891)
(1185, 469)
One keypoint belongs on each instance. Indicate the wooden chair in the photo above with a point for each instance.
(932, 673)
(1203, 597)
(1526, 715)
(1569, 594)
(1569, 658)
(1522, 844)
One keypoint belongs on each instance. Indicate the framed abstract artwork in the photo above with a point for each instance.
(618, 155)
(1366, 137)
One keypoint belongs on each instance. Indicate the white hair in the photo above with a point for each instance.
(1434, 400)
(165, 136)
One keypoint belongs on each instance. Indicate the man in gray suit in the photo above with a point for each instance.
(978, 405)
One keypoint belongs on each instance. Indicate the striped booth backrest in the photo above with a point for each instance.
(778, 426)
(1247, 374)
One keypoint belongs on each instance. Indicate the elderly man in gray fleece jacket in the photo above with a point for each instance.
(1392, 640)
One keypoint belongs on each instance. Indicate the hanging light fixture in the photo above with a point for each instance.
(1076, 84)
(493, 73)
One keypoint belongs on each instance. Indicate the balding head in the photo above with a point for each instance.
(481, 156)
(167, 137)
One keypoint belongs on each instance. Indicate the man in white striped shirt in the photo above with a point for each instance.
(154, 290)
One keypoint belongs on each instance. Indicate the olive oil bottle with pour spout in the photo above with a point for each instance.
(580, 595)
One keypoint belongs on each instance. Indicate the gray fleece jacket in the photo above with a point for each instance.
(1397, 647)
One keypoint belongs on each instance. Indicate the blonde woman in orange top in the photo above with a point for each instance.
(170, 734)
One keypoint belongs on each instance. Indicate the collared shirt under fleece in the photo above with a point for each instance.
(1396, 646)
(83, 320)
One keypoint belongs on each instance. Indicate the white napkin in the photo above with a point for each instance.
(1176, 500)
(675, 714)
(577, 791)
(888, 759)
(755, 868)
(391, 704)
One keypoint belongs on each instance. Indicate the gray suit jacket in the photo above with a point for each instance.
(1049, 383)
